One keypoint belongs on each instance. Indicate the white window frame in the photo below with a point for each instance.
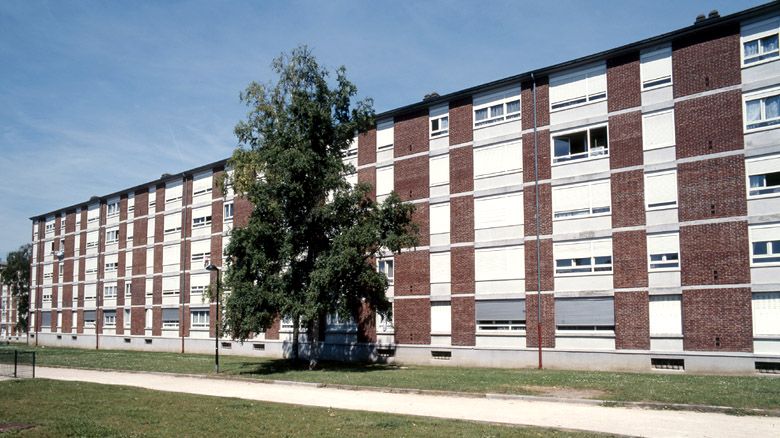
(773, 29)
(109, 291)
(112, 209)
(593, 267)
(439, 121)
(200, 319)
(386, 265)
(175, 229)
(771, 191)
(382, 126)
(591, 210)
(112, 235)
(650, 55)
(761, 95)
(588, 97)
(128, 289)
(581, 156)
(109, 319)
(667, 205)
(505, 115)
(772, 257)
(112, 267)
(651, 262)
(228, 207)
(200, 222)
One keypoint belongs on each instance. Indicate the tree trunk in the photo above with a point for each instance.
(296, 326)
(314, 344)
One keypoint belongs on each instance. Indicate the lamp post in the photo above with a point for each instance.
(212, 267)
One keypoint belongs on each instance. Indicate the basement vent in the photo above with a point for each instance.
(148, 341)
(385, 352)
(667, 364)
(768, 367)
(127, 340)
(74, 337)
(59, 336)
(260, 347)
(441, 355)
(227, 345)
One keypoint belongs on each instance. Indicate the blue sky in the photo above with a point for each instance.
(99, 96)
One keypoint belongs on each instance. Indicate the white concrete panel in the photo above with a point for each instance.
(576, 225)
(666, 343)
(580, 167)
(584, 342)
(657, 96)
(494, 287)
(498, 130)
(590, 110)
(664, 279)
(494, 341)
(660, 155)
(584, 282)
(490, 182)
(659, 217)
(442, 142)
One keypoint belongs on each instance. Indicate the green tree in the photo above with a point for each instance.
(16, 276)
(309, 245)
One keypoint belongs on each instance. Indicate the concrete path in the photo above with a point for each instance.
(625, 421)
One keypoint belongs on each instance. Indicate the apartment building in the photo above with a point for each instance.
(7, 313)
(623, 209)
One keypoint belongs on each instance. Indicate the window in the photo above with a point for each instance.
(384, 135)
(440, 264)
(199, 319)
(656, 68)
(202, 184)
(352, 151)
(663, 251)
(665, 313)
(762, 110)
(581, 200)
(172, 223)
(439, 218)
(171, 257)
(109, 318)
(766, 307)
(440, 126)
(578, 87)
(127, 319)
(386, 266)
(658, 130)
(581, 144)
(109, 292)
(198, 290)
(766, 251)
(585, 314)
(765, 244)
(763, 176)
(50, 227)
(128, 290)
(384, 180)
(201, 256)
(500, 315)
(504, 106)
(89, 318)
(661, 190)
(46, 295)
(498, 211)
(439, 173)
(173, 192)
(228, 212)
(112, 236)
(760, 49)
(170, 318)
(112, 266)
(130, 231)
(112, 209)
(584, 257)
(499, 264)
(198, 222)
(441, 317)
(497, 159)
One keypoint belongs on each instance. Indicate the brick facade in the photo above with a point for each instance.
(623, 82)
(632, 321)
(625, 140)
(628, 198)
(717, 320)
(709, 124)
(412, 320)
(629, 259)
(715, 253)
(713, 188)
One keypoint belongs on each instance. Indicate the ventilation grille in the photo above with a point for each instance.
(258, 347)
(768, 367)
(441, 355)
(667, 364)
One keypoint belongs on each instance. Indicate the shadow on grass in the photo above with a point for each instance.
(287, 366)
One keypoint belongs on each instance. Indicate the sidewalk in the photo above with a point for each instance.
(615, 420)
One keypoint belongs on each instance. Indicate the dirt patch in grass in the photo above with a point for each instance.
(10, 427)
(560, 392)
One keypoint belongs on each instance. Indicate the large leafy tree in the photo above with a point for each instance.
(309, 245)
(16, 276)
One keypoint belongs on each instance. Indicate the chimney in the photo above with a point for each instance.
(713, 14)
(431, 95)
(700, 18)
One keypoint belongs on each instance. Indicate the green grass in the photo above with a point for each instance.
(60, 409)
(743, 392)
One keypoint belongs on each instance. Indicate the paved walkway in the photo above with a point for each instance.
(626, 421)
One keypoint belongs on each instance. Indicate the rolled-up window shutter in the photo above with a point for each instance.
(585, 311)
(500, 310)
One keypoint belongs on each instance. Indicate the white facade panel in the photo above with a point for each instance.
(441, 317)
(665, 315)
(658, 130)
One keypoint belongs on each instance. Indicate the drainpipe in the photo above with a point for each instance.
(184, 255)
(536, 216)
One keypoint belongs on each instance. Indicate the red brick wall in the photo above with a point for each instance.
(628, 198)
(412, 320)
(706, 61)
(461, 121)
(411, 133)
(367, 147)
(411, 178)
(462, 270)
(462, 219)
(717, 320)
(632, 321)
(421, 217)
(412, 273)
(545, 209)
(548, 321)
(366, 322)
(463, 324)
(543, 146)
(629, 259)
(137, 317)
(623, 83)
(712, 188)
(542, 104)
(709, 124)
(242, 209)
(625, 140)
(157, 321)
(547, 265)
(368, 175)
(461, 170)
(715, 253)
(273, 331)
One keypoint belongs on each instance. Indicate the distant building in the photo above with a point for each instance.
(8, 313)
(658, 179)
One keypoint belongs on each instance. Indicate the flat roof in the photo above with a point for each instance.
(704, 25)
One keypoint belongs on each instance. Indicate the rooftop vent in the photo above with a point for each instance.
(431, 95)
(713, 14)
(700, 18)
(94, 198)
(165, 175)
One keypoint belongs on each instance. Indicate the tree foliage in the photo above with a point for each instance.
(309, 245)
(16, 276)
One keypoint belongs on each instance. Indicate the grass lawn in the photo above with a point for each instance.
(742, 392)
(91, 410)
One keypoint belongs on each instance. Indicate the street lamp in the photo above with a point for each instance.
(212, 267)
